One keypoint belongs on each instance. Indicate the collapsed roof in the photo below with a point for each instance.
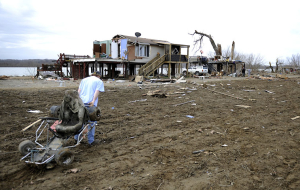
(133, 39)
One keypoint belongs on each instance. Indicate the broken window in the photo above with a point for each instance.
(142, 50)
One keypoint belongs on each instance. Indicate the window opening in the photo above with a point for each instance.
(142, 50)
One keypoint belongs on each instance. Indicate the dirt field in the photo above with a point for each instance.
(149, 142)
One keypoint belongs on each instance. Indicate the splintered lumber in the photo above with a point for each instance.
(162, 80)
(151, 93)
(227, 95)
(295, 117)
(155, 94)
(31, 125)
(184, 103)
(281, 76)
(243, 106)
(3, 77)
(265, 78)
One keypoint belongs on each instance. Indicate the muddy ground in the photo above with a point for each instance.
(149, 144)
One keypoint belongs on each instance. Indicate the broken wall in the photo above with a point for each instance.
(153, 50)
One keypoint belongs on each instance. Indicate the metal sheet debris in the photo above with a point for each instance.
(189, 116)
(269, 91)
(198, 151)
(34, 111)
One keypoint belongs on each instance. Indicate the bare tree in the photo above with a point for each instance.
(253, 61)
(226, 52)
(271, 67)
(211, 54)
(239, 56)
(294, 60)
(199, 40)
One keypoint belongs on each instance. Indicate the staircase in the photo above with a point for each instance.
(141, 70)
(150, 68)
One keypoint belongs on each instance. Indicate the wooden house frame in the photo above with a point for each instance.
(138, 56)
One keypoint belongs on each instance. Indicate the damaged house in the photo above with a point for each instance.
(125, 56)
(131, 55)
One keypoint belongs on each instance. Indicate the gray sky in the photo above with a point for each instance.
(41, 29)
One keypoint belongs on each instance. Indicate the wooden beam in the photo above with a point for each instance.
(31, 125)
(79, 75)
(170, 52)
(188, 63)
(84, 70)
(179, 65)
(169, 70)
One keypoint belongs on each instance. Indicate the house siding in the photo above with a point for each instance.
(152, 53)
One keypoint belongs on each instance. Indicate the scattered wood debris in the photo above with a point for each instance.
(162, 80)
(184, 103)
(227, 95)
(295, 117)
(150, 93)
(3, 77)
(178, 92)
(156, 93)
(269, 91)
(243, 106)
(111, 90)
(74, 170)
(142, 100)
(265, 78)
(181, 80)
(31, 125)
(198, 151)
(281, 76)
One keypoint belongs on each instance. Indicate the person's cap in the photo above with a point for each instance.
(96, 73)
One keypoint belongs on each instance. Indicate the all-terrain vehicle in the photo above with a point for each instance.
(73, 118)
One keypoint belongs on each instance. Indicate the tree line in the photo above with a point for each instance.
(25, 62)
(257, 61)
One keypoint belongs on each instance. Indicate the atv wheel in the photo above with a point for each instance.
(64, 157)
(26, 146)
(54, 111)
(94, 113)
(184, 73)
(197, 73)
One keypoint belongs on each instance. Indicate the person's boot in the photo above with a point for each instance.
(95, 142)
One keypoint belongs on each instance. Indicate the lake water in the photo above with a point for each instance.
(31, 71)
(28, 71)
(22, 71)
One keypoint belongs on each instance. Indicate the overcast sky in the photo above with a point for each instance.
(41, 29)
